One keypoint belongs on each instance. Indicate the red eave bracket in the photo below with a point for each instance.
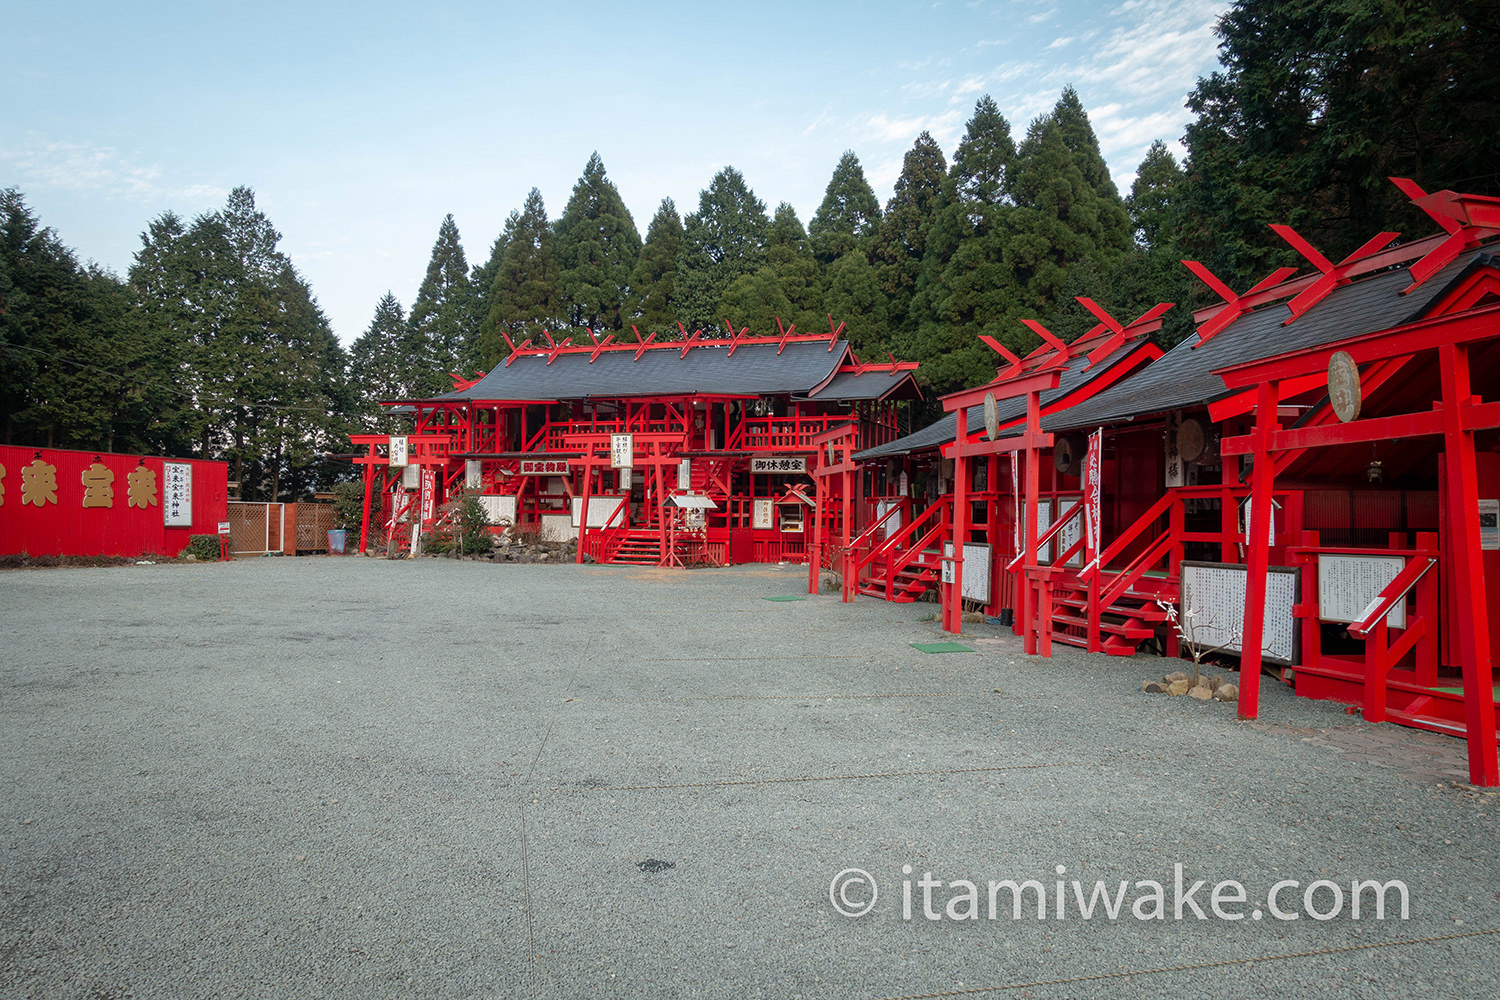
(1334, 275)
(1235, 306)
(1467, 219)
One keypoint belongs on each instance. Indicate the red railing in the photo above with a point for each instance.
(784, 433)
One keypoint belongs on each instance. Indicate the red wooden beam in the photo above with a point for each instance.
(1467, 219)
(1333, 275)
(1059, 349)
(1235, 306)
(1147, 323)
(833, 336)
(1004, 352)
(599, 346)
(687, 345)
(516, 351)
(735, 338)
(1423, 335)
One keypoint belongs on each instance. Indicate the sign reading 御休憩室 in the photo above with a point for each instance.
(177, 495)
(544, 467)
(773, 465)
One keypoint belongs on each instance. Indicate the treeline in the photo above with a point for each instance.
(214, 346)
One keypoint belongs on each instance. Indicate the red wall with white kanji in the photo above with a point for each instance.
(111, 525)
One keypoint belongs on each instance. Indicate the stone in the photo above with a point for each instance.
(1201, 693)
(1154, 687)
(1177, 687)
(1227, 692)
(1214, 682)
(972, 616)
(1176, 675)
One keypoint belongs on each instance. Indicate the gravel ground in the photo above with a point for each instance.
(361, 778)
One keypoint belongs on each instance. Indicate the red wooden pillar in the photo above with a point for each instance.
(953, 594)
(583, 522)
(364, 521)
(1470, 604)
(1258, 550)
(1029, 610)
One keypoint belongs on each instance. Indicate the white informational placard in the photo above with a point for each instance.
(685, 474)
(976, 571)
(600, 509)
(621, 451)
(500, 510)
(473, 474)
(1348, 583)
(177, 495)
(397, 451)
(1215, 593)
(763, 514)
(557, 528)
(411, 477)
(1489, 525)
(1072, 531)
(1044, 521)
(893, 523)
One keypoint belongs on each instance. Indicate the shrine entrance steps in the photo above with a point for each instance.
(905, 579)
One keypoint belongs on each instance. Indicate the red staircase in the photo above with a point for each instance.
(1114, 611)
(901, 567)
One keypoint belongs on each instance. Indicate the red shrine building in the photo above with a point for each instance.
(1317, 465)
(707, 450)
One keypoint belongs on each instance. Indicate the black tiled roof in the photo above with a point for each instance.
(755, 370)
(942, 432)
(849, 387)
(1185, 377)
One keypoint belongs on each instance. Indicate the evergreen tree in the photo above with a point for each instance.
(1154, 272)
(653, 297)
(721, 241)
(442, 317)
(963, 287)
(849, 214)
(597, 249)
(757, 301)
(525, 295)
(897, 249)
(854, 299)
(1316, 105)
(485, 281)
(378, 366)
(789, 255)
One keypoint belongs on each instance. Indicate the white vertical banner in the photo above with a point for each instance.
(1092, 477)
(1015, 493)
(177, 495)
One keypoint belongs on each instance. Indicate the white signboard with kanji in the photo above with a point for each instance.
(397, 451)
(177, 495)
(778, 465)
(763, 514)
(544, 467)
(621, 451)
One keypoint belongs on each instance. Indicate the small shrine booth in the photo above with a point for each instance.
(1324, 464)
(702, 450)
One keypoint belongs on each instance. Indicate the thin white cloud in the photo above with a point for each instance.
(1058, 43)
(1043, 17)
(39, 161)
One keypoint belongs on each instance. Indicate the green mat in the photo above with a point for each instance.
(1460, 691)
(788, 598)
(942, 647)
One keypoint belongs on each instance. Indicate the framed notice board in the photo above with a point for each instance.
(1216, 593)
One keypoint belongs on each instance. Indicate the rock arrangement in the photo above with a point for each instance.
(1214, 688)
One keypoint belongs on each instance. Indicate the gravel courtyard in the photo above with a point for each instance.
(360, 778)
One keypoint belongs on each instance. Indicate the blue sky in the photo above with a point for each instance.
(360, 126)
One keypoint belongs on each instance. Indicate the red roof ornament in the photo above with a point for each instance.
(1235, 306)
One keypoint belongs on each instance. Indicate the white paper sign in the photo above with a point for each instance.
(397, 451)
(621, 451)
(685, 474)
(763, 514)
(177, 495)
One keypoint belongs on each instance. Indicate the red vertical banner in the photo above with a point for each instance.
(1092, 486)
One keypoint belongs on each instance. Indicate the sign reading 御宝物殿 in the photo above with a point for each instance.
(544, 467)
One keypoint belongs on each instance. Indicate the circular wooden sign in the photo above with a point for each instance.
(1343, 386)
(1192, 440)
(991, 416)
